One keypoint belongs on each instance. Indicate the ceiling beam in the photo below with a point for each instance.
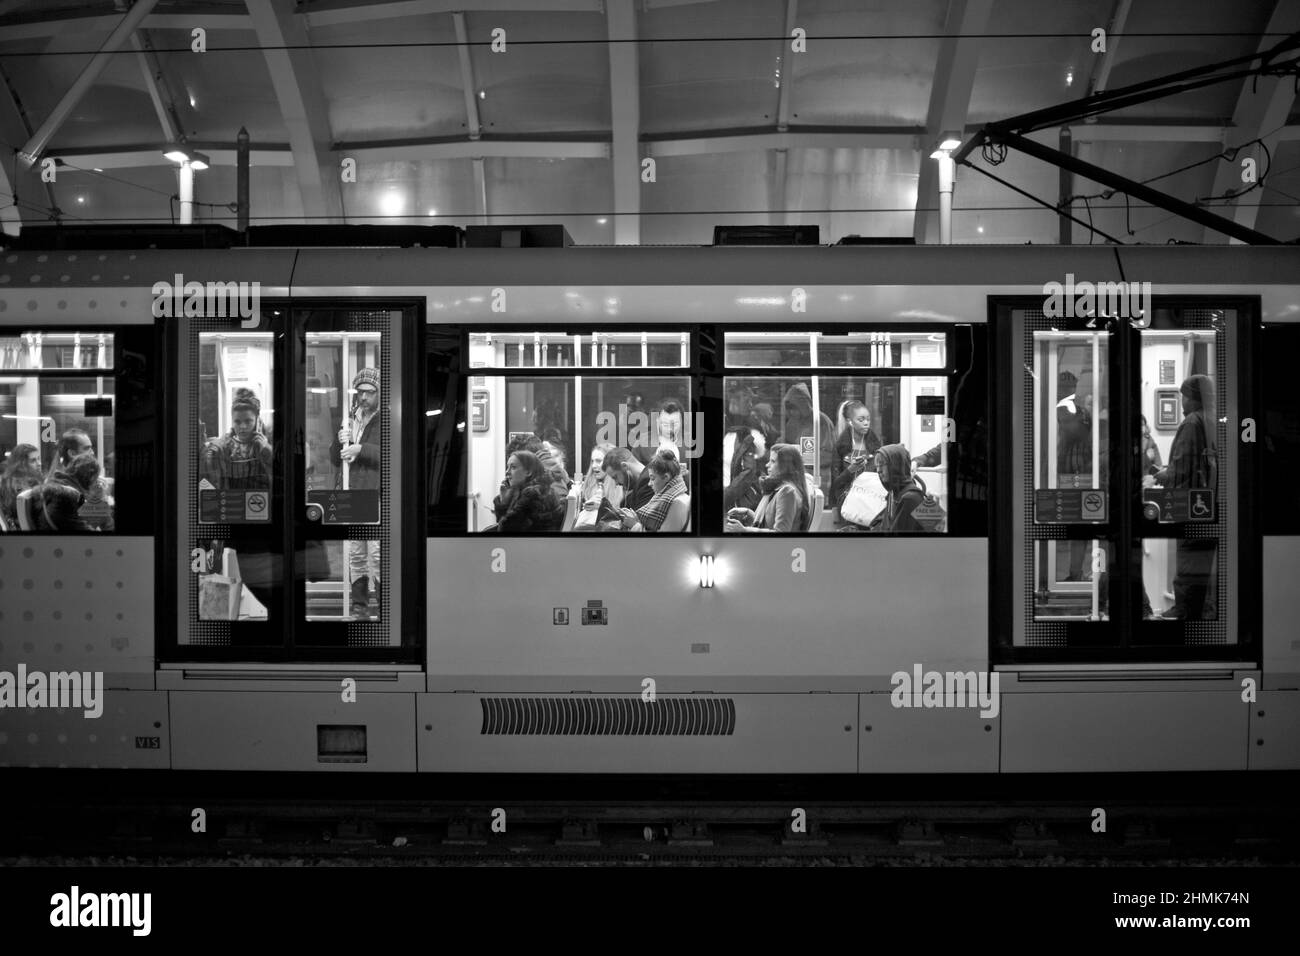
(954, 78)
(718, 141)
(156, 83)
(746, 140)
(298, 89)
(435, 147)
(129, 157)
(467, 76)
(25, 181)
(1103, 64)
(219, 19)
(625, 120)
(343, 12)
(126, 25)
(1262, 106)
(480, 189)
(786, 80)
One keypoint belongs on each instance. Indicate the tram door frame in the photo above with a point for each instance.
(1124, 636)
(287, 636)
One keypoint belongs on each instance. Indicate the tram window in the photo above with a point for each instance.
(344, 447)
(589, 443)
(1072, 580)
(1071, 424)
(851, 350)
(234, 427)
(838, 432)
(343, 580)
(234, 581)
(57, 434)
(613, 349)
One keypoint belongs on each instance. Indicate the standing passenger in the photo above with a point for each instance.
(360, 445)
(242, 459)
(855, 449)
(1193, 463)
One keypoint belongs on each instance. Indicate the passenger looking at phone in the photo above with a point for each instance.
(855, 448)
(528, 502)
(785, 505)
(668, 508)
(631, 475)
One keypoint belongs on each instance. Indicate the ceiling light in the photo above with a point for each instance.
(950, 144)
(482, 94)
(391, 204)
(179, 154)
(81, 199)
(433, 212)
(601, 221)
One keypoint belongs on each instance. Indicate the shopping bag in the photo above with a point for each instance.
(865, 500)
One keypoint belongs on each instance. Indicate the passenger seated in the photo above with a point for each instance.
(668, 509)
(785, 506)
(748, 464)
(528, 502)
(621, 465)
(530, 443)
(596, 485)
(20, 472)
(63, 494)
(894, 466)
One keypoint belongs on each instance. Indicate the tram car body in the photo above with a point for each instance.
(287, 559)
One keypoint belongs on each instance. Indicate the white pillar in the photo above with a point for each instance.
(187, 193)
(946, 169)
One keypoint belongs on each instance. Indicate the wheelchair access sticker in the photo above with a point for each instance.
(1175, 505)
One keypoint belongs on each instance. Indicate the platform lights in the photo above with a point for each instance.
(946, 166)
(188, 160)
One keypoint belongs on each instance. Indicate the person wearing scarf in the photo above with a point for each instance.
(666, 481)
(240, 460)
(785, 504)
(894, 466)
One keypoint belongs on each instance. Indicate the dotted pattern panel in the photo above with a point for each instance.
(1037, 633)
(203, 633)
(1201, 633)
(70, 288)
(122, 736)
(77, 603)
(376, 633)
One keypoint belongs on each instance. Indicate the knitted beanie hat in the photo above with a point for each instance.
(367, 376)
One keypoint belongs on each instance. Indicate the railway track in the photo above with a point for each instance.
(569, 832)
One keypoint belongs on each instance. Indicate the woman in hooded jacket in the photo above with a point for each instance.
(748, 465)
(894, 466)
(528, 502)
(799, 422)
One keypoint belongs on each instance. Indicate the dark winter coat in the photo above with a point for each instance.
(531, 509)
(365, 468)
(61, 501)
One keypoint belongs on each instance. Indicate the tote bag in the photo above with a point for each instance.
(865, 500)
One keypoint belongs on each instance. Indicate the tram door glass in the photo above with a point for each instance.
(1125, 518)
(1071, 491)
(286, 492)
(347, 538)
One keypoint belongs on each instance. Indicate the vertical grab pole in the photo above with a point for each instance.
(1096, 462)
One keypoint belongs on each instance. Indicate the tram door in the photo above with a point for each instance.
(292, 480)
(1121, 527)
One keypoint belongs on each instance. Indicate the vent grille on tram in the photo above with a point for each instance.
(609, 716)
